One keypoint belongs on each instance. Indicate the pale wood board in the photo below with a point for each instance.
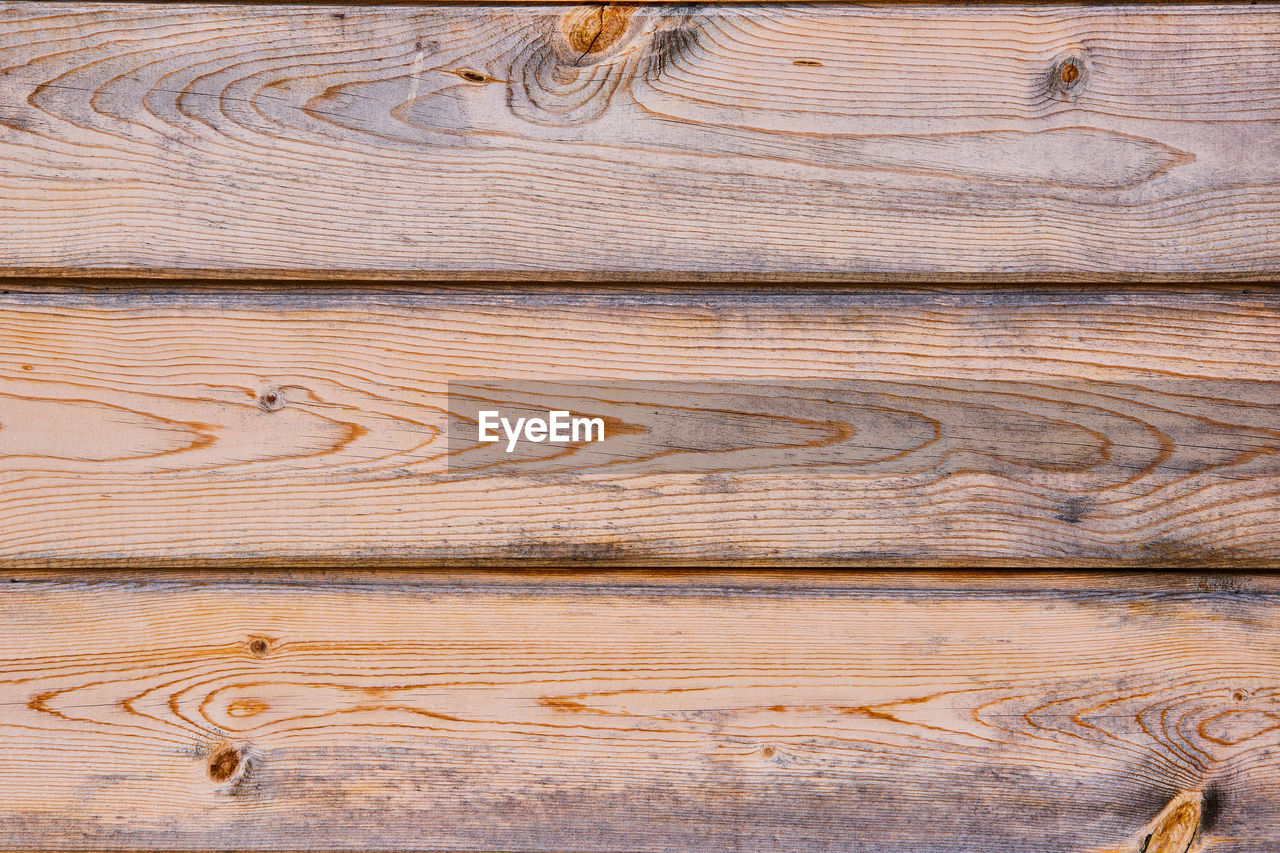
(1056, 715)
(958, 141)
(135, 427)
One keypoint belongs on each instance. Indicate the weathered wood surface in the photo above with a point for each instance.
(1038, 426)
(875, 715)
(849, 142)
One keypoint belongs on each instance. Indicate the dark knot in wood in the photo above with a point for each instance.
(223, 763)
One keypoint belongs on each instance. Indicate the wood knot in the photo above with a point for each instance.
(1067, 75)
(271, 401)
(224, 763)
(594, 30)
(1174, 829)
(259, 647)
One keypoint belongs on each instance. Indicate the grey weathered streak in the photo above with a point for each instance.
(859, 425)
(783, 712)
(968, 141)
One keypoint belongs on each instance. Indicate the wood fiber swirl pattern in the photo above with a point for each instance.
(1058, 426)
(566, 713)
(784, 142)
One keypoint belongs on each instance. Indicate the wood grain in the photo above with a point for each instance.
(667, 713)
(228, 426)
(847, 142)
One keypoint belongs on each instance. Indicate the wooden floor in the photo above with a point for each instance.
(874, 288)
(634, 711)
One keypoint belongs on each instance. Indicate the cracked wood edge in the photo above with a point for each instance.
(821, 142)
(669, 713)
(137, 428)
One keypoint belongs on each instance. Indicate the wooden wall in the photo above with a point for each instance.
(866, 286)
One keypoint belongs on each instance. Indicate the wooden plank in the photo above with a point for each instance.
(668, 713)
(887, 426)
(848, 142)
